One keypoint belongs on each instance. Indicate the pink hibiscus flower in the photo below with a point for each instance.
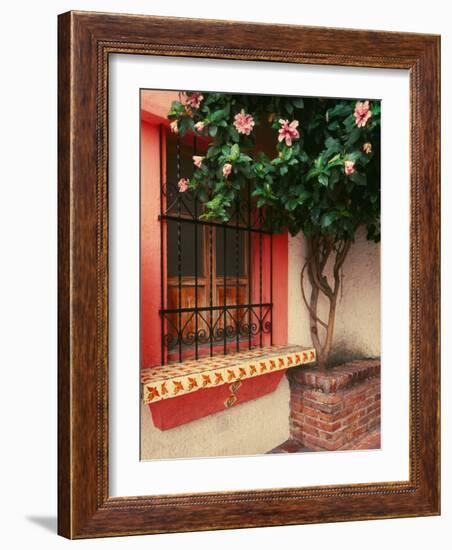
(362, 113)
(174, 127)
(349, 167)
(194, 100)
(200, 126)
(227, 169)
(288, 132)
(183, 185)
(197, 161)
(243, 123)
(367, 148)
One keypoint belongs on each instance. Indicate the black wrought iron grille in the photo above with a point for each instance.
(216, 293)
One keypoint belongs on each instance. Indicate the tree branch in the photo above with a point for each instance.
(317, 266)
(311, 311)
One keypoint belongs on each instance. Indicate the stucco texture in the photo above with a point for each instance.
(357, 329)
(251, 428)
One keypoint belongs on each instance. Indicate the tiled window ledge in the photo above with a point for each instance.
(184, 392)
(168, 381)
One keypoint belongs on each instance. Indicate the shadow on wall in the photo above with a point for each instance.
(342, 354)
(357, 331)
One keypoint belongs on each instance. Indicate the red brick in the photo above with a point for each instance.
(374, 423)
(346, 411)
(373, 414)
(355, 399)
(295, 424)
(325, 408)
(322, 445)
(325, 426)
(336, 407)
(368, 441)
(374, 384)
(312, 415)
(353, 418)
(359, 432)
(314, 443)
(331, 436)
(340, 377)
(375, 408)
(312, 412)
(310, 430)
(324, 398)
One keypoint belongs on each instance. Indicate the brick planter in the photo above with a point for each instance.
(335, 409)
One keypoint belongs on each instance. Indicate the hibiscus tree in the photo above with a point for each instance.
(323, 178)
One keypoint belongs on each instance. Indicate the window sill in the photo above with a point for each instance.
(212, 384)
(168, 381)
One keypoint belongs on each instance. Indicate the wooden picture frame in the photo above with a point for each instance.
(85, 508)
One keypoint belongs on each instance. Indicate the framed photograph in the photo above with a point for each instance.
(248, 275)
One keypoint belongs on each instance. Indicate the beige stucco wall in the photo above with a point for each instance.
(254, 427)
(258, 426)
(357, 330)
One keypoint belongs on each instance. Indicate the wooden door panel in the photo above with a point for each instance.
(232, 298)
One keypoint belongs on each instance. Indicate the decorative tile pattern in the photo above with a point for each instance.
(167, 381)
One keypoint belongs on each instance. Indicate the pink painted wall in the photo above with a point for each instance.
(155, 105)
(150, 246)
(280, 267)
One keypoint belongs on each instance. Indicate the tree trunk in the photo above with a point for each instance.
(326, 350)
(320, 249)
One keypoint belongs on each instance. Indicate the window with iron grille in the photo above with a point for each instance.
(216, 278)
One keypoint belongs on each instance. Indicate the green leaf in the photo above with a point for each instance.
(332, 145)
(333, 126)
(345, 213)
(375, 107)
(291, 204)
(212, 151)
(350, 122)
(323, 179)
(303, 156)
(354, 135)
(217, 115)
(244, 158)
(341, 109)
(334, 177)
(313, 172)
(213, 130)
(354, 155)
(327, 219)
(235, 136)
(335, 161)
(235, 152)
(359, 179)
(202, 195)
(303, 196)
(286, 153)
(298, 102)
